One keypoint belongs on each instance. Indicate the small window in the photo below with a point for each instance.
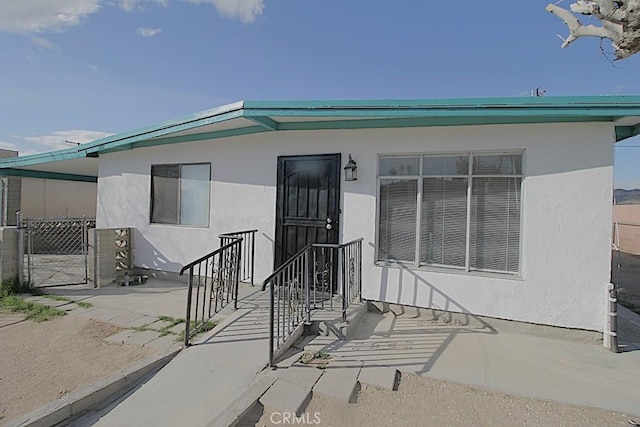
(180, 194)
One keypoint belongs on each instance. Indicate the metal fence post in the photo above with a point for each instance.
(188, 316)
(85, 248)
(20, 248)
(237, 272)
(271, 324)
(342, 264)
(29, 250)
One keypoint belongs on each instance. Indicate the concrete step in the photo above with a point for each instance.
(339, 387)
(380, 377)
(301, 375)
(286, 397)
(427, 315)
(338, 328)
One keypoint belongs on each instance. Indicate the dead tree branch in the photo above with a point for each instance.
(620, 23)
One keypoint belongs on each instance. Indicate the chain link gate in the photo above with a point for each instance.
(56, 251)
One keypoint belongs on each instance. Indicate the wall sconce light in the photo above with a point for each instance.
(351, 170)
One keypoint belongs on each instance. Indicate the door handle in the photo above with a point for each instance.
(329, 220)
(329, 226)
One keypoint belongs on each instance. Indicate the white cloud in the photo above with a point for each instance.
(58, 139)
(41, 42)
(245, 10)
(132, 5)
(148, 32)
(36, 16)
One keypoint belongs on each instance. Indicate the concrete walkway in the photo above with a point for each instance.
(203, 379)
(527, 360)
(143, 311)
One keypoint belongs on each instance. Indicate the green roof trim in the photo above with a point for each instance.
(356, 114)
(26, 173)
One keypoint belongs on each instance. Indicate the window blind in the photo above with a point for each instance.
(443, 236)
(397, 231)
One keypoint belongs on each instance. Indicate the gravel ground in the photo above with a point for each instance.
(422, 401)
(40, 362)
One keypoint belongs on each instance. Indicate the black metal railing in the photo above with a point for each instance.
(309, 281)
(248, 251)
(212, 285)
(213, 279)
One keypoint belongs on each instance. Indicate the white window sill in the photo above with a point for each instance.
(445, 270)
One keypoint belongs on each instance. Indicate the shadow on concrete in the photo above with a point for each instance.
(412, 341)
(411, 338)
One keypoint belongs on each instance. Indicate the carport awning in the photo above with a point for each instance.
(252, 117)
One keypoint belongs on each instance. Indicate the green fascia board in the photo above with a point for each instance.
(427, 122)
(40, 158)
(249, 130)
(113, 142)
(357, 114)
(612, 113)
(520, 102)
(47, 175)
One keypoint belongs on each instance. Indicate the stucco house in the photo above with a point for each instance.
(499, 207)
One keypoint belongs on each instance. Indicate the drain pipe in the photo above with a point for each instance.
(611, 317)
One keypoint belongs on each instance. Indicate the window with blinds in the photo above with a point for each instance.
(457, 211)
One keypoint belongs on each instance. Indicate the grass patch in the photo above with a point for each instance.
(33, 311)
(9, 300)
(165, 330)
(12, 287)
(69, 300)
(199, 328)
(57, 297)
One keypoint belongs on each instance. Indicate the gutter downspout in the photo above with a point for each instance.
(610, 337)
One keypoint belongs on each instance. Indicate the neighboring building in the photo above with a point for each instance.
(53, 198)
(10, 194)
(498, 207)
(44, 195)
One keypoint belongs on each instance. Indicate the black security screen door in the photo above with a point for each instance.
(308, 203)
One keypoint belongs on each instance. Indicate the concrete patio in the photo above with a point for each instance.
(223, 375)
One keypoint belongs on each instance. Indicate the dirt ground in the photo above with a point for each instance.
(422, 401)
(625, 272)
(40, 362)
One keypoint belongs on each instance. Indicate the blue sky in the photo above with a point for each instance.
(80, 69)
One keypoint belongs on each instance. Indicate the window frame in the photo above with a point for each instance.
(418, 264)
(179, 198)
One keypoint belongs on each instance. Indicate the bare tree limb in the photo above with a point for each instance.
(620, 23)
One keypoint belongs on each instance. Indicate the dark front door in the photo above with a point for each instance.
(308, 203)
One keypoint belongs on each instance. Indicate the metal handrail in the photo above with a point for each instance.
(336, 245)
(286, 264)
(223, 281)
(247, 267)
(297, 254)
(321, 266)
(199, 260)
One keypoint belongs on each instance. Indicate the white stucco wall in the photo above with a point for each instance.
(566, 212)
(51, 198)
